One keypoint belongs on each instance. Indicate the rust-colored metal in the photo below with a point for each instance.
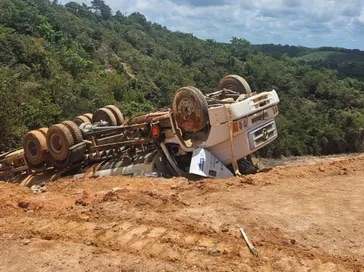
(110, 139)
(147, 118)
(190, 109)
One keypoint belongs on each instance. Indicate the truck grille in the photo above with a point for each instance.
(261, 101)
(262, 135)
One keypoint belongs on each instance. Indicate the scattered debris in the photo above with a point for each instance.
(25, 242)
(110, 196)
(214, 252)
(80, 201)
(252, 249)
(116, 189)
(47, 237)
(38, 189)
(23, 204)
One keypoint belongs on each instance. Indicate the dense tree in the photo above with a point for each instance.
(60, 61)
(240, 48)
(101, 9)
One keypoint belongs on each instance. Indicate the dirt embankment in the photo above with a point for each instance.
(300, 218)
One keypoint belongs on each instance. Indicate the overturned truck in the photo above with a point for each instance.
(209, 135)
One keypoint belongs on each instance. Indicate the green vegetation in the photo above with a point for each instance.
(347, 62)
(57, 62)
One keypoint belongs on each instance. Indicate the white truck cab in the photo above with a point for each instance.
(238, 123)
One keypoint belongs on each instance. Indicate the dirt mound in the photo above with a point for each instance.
(300, 217)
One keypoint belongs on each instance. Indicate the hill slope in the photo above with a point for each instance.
(348, 63)
(60, 61)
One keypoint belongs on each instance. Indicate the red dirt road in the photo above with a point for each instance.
(299, 217)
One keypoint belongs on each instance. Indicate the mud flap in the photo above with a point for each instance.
(204, 163)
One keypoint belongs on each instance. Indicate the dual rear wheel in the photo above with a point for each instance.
(84, 118)
(35, 147)
(54, 144)
(61, 137)
(55, 141)
(110, 114)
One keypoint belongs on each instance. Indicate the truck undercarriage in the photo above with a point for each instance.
(225, 127)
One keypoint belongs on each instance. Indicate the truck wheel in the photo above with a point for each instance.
(88, 116)
(235, 83)
(59, 140)
(35, 147)
(43, 131)
(78, 120)
(117, 113)
(106, 115)
(75, 131)
(190, 109)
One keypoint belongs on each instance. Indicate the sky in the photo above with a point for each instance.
(311, 23)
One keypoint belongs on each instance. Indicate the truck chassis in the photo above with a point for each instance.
(230, 123)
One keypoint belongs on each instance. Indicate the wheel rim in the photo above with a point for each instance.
(186, 108)
(106, 115)
(34, 146)
(32, 149)
(56, 143)
(190, 109)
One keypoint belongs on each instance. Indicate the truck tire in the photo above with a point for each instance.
(117, 113)
(106, 115)
(59, 140)
(190, 109)
(43, 131)
(35, 147)
(88, 116)
(235, 83)
(75, 131)
(78, 120)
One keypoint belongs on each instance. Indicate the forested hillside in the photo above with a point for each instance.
(347, 62)
(60, 61)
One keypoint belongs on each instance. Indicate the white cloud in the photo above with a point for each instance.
(295, 22)
(361, 16)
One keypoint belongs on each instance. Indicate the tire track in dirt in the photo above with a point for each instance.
(156, 242)
(167, 244)
(195, 224)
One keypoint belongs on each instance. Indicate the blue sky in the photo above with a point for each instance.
(311, 23)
